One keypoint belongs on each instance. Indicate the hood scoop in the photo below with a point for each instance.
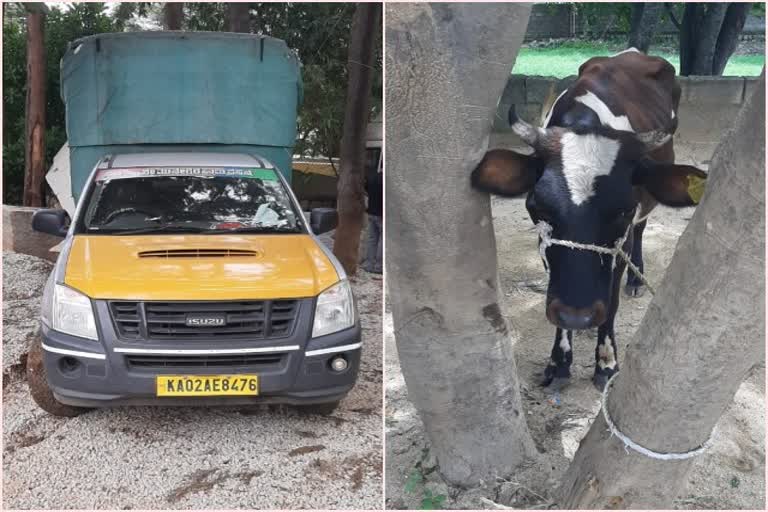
(198, 253)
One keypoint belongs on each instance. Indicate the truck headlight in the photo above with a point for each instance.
(73, 313)
(335, 310)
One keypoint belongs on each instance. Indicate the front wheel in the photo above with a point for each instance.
(38, 385)
(320, 409)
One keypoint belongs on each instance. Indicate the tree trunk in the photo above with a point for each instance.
(173, 14)
(688, 33)
(447, 65)
(702, 333)
(645, 17)
(238, 15)
(733, 24)
(708, 32)
(351, 205)
(34, 168)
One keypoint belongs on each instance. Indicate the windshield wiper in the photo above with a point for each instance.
(168, 228)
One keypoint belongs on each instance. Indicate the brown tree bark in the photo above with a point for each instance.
(704, 330)
(447, 65)
(34, 168)
(707, 33)
(238, 17)
(728, 40)
(351, 205)
(645, 17)
(173, 14)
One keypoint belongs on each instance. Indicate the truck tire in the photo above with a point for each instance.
(38, 385)
(320, 409)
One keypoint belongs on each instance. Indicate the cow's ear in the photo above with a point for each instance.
(505, 173)
(671, 184)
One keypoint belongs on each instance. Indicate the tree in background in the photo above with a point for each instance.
(61, 27)
(34, 170)
(709, 34)
(351, 205)
(173, 14)
(642, 26)
(238, 17)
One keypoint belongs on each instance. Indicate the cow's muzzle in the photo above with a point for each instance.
(574, 319)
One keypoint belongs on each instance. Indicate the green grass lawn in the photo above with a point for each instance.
(564, 60)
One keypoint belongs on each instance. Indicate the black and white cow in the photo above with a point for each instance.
(602, 159)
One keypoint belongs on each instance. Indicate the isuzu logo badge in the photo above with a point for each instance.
(206, 320)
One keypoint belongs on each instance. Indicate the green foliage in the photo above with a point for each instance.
(61, 27)
(603, 17)
(432, 502)
(415, 484)
(318, 32)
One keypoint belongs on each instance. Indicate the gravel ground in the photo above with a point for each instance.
(186, 458)
(730, 476)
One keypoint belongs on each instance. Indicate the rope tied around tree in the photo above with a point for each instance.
(628, 443)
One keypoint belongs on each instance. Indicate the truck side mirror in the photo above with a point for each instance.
(50, 221)
(323, 219)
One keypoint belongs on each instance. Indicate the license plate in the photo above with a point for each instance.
(207, 385)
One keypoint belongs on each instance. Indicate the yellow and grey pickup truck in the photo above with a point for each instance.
(192, 279)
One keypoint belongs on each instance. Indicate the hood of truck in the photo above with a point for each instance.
(284, 266)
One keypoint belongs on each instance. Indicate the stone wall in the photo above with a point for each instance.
(708, 106)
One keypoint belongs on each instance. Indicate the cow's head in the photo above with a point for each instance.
(586, 182)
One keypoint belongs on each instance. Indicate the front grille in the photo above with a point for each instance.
(229, 361)
(167, 320)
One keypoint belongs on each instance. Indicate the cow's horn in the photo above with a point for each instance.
(527, 133)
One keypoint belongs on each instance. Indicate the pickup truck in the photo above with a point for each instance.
(192, 278)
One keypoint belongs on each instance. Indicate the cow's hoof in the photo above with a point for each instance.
(634, 290)
(558, 383)
(601, 377)
(556, 377)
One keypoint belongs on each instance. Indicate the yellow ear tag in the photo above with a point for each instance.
(696, 187)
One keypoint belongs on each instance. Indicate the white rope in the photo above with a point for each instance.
(545, 233)
(628, 443)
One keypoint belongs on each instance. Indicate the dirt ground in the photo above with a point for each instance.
(186, 458)
(729, 476)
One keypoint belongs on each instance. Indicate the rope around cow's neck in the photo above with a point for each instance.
(545, 233)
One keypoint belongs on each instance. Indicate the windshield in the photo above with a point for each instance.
(202, 199)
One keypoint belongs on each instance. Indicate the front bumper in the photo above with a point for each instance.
(100, 373)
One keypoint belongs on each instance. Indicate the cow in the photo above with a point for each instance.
(602, 160)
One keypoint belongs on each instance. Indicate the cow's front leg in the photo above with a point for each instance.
(606, 353)
(558, 372)
(635, 287)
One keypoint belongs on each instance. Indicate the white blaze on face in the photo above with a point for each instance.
(607, 118)
(606, 356)
(585, 157)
